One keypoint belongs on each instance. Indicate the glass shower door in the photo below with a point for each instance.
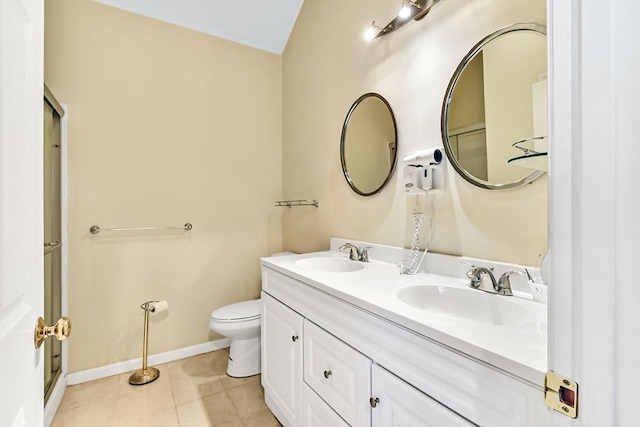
(52, 244)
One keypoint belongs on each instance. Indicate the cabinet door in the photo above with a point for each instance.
(282, 360)
(338, 373)
(316, 412)
(396, 403)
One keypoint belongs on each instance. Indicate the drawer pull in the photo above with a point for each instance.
(374, 402)
(294, 338)
(327, 374)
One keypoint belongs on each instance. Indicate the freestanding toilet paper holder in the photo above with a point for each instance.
(146, 374)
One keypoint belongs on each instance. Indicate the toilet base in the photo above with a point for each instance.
(244, 357)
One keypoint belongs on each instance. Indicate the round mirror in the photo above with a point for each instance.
(368, 144)
(494, 115)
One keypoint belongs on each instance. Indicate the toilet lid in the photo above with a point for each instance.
(240, 311)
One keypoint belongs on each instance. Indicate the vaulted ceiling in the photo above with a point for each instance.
(263, 24)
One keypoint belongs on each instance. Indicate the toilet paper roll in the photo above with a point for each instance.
(158, 307)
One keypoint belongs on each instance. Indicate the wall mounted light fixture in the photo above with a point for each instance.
(410, 9)
(372, 31)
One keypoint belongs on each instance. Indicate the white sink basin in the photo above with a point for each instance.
(329, 264)
(468, 304)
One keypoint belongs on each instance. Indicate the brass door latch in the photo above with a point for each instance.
(60, 330)
(561, 394)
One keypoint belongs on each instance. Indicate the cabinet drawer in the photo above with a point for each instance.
(338, 373)
(316, 412)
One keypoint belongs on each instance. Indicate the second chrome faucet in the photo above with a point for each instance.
(356, 253)
(502, 286)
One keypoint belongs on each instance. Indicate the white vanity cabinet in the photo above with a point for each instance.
(346, 357)
(313, 379)
(281, 342)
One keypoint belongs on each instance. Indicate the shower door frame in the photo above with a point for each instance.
(57, 390)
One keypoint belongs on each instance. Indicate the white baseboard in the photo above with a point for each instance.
(55, 398)
(154, 359)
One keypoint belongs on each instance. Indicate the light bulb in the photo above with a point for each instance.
(370, 33)
(405, 11)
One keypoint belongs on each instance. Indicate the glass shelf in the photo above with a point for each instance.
(535, 153)
(537, 161)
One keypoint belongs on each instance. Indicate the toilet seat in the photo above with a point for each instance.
(239, 312)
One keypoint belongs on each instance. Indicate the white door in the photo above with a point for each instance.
(21, 251)
(594, 209)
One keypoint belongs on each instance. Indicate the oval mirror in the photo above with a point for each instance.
(494, 115)
(368, 144)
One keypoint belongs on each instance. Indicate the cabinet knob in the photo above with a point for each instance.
(327, 374)
(374, 402)
(294, 338)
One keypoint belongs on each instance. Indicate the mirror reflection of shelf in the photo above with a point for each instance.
(535, 153)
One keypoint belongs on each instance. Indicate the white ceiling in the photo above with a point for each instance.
(263, 24)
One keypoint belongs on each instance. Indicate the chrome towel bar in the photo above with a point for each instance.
(96, 229)
(290, 203)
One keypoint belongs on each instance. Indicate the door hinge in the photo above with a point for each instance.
(561, 394)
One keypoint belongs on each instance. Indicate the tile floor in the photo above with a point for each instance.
(191, 392)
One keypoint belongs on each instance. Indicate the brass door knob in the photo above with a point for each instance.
(60, 330)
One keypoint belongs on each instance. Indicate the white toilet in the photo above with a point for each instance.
(240, 322)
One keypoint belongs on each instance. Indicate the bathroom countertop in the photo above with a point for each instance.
(518, 350)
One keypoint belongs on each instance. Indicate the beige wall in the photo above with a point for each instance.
(166, 126)
(327, 66)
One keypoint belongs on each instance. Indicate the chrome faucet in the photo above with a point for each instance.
(501, 287)
(504, 283)
(475, 275)
(356, 253)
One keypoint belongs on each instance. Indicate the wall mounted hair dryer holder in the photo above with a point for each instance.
(423, 171)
